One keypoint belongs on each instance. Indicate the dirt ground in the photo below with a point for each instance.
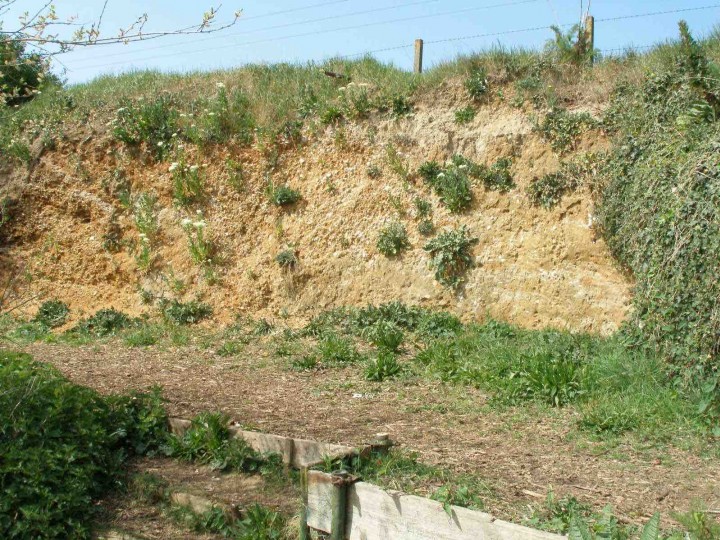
(521, 454)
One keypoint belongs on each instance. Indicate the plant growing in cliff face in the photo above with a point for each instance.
(393, 240)
(287, 259)
(281, 195)
(450, 255)
(477, 85)
(188, 182)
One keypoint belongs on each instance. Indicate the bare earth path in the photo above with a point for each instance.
(520, 454)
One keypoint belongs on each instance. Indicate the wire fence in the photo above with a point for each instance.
(464, 38)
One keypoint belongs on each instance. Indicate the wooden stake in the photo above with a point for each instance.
(304, 529)
(590, 36)
(340, 481)
(418, 55)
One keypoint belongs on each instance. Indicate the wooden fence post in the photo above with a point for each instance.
(590, 36)
(418, 56)
(340, 481)
(304, 529)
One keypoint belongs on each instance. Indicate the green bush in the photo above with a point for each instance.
(556, 378)
(179, 312)
(400, 106)
(477, 85)
(393, 240)
(497, 177)
(334, 350)
(287, 259)
(547, 191)
(562, 128)
(331, 115)
(452, 182)
(465, 115)
(450, 255)
(384, 366)
(63, 446)
(208, 440)
(282, 195)
(426, 227)
(52, 313)
(105, 322)
(385, 335)
(659, 211)
(151, 122)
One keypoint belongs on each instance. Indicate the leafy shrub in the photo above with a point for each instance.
(334, 350)
(384, 335)
(64, 447)
(465, 115)
(188, 183)
(423, 207)
(497, 177)
(426, 227)
(477, 84)
(548, 190)
(373, 171)
(331, 115)
(105, 322)
(393, 240)
(52, 313)
(556, 379)
(142, 337)
(185, 312)
(439, 324)
(451, 183)
(384, 366)
(282, 195)
(615, 418)
(208, 440)
(429, 171)
(151, 122)
(450, 255)
(287, 259)
(400, 106)
(659, 213)
(562, 128)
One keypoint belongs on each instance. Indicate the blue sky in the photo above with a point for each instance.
(265, 34)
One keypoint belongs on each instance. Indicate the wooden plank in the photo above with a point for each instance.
(297, 453)
(375, 514)
(266, 443)
(309, 453)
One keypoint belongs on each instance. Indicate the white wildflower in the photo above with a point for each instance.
(219, 85)
(186, 222)
(199, 224)
(174, 165)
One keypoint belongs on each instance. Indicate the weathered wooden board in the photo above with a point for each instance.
(375, 514)
(297, 453)
(308, 453)
(268, 444)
